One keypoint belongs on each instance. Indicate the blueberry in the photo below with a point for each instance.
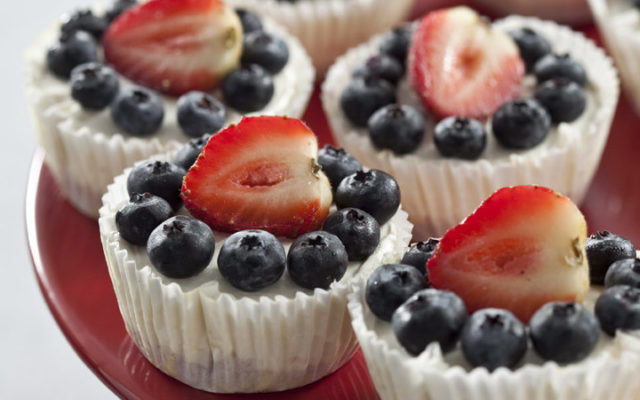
(181, 247)
(399, 128)
(493, 338)
(396, 44)
(428, 316)
(94, 85)
(200, 113)
(380, 67)
(356, 229)
(117, 8)
(624, 272)
(460, 137)
(69, 52)
(252, 260)
(161, 178)
(137, 111)
(362, 97)
(560, 66)
(373, 191)
(248, 88)
(337, 164)
(563, 99)
(249, 20)
(563, 332)
(316, 259)
(391, 285)
(266, 50)
(618, 307)
(532, 45)
(189, 152)
(419, 253)
(137, 218)
(521, 124)
(84, 20)
(603, 249)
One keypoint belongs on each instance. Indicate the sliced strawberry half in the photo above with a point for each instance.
(523, 247)
(260, 174)
(460, 66)
(175, 46)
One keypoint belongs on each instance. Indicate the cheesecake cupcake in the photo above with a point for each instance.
(573, 12)
(460, 108)
(235, 278)
(108, 87)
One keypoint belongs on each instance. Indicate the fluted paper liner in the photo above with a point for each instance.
(439, 192)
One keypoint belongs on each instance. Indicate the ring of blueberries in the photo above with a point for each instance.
(369, 100)
(564, 332)
(139, 111)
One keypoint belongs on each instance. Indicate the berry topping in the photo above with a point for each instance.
(391, 285)
(260, 174)
(249, 20)
(373, 191)
(560, 66)
(521, 124)
(564, 332)
(380, 67)
(200, 113)
(493, 338)
(181, 247)
(157, 177)
(175, 46)
(396, 44)
(532, 46)
(563, 99)
(603, 249)
(459, 65)
(69, 52)
(618, 307)
(337, 164)
(316, 259)
(429, 315)
(268, 51)
(94, 85)
(189, 152)
(84, 20)
(248, 88)
(362, 97)
(419, 253)
(460, 137)
(523, 247)
(624, 272)
(117, 8)
(252, 260)
(399, 128)
(137, 111)
(137, 218)
(357, 230)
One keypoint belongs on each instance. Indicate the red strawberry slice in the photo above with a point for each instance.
(460, 66)
(260, 174)
(175, 46)
(523, 247)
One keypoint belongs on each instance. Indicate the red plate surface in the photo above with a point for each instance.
(70, 267)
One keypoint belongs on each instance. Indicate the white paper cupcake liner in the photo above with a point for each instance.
(439, 192)
(328, 28)
(230, 341)
(85, 150)
(563, 11)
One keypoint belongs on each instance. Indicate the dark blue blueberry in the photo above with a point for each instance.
(603, 249)
(266, 50)
(137, 218)
(460, 137)
(161, 178)
(493, 338)
(356, 229)
(316, 259)
(189, 152)
(428, 316)
(84, 20)
(252, 260)
(391, 285)
(521, 124)
(362, 97)
(636, 3)
(337, 164)
(532, 45)
(623, 272)
(396, 44)
(618, 307)
(554, 66)
(117, 8)
(94, 85)
(71, 51)
(380, 67)
(563, 99)
(181, 247)
(419, 253)
(399, 128)
(137, 111)
(373, 191)
(249, 20)
(563, 332)
(200, 113)
(248, 88)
